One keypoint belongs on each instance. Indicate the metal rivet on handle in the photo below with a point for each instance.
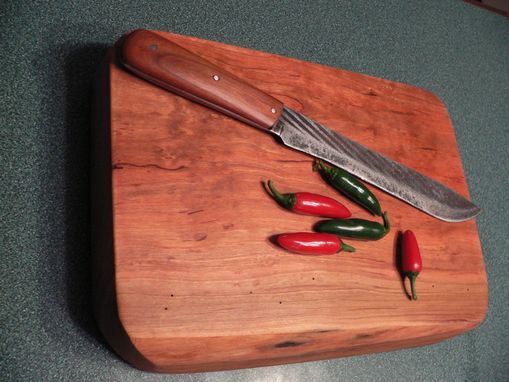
(273, 110)
(215, 77)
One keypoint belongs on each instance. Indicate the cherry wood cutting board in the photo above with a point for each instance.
(185, 275)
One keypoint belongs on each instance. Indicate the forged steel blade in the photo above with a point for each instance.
(303, 134)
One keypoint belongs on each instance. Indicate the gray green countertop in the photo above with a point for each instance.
(50, 51)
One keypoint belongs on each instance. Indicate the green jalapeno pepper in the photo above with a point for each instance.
(350, 186)
(355, 228)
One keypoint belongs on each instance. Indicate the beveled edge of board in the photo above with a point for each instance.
(103, 275)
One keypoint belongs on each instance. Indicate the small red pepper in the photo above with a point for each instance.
(411, 263)
(310, 243)
(307, 203)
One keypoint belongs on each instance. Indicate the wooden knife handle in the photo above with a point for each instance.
(174, 68)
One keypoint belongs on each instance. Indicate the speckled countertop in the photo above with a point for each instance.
(50, 51)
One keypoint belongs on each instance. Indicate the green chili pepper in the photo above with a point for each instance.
(346, 183)
(355, 228)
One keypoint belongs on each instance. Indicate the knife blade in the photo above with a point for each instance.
(166, 64)
(304, 134)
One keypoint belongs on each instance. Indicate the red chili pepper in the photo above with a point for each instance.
(411, 262)
(307, 203)
(310, 243)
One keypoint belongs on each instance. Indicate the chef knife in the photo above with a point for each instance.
(174, 68)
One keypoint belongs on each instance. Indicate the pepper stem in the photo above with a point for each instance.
(412, 276)
(316, 165)
(285, 200)
(345, 247)
(323, 167)
(387, 223)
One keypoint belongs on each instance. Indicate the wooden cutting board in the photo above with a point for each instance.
(186, 278)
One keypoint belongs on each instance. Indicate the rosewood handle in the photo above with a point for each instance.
(174, 68)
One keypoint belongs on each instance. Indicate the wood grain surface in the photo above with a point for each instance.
(192, 282)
